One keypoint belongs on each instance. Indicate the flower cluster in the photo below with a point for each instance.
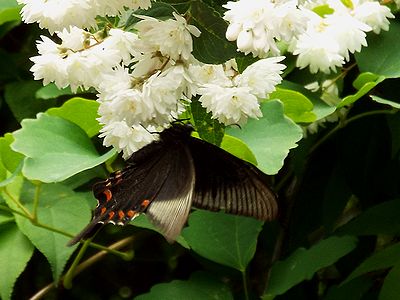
(145, 78)
(55, 15)
(321, 33)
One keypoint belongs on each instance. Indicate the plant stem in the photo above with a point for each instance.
(245, 288)
(71, 271)
(36, 201)
(84, 265)
(19, 204)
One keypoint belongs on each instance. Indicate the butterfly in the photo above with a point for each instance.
(167, 177)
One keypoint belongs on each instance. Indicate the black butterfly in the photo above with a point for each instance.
(165, 178)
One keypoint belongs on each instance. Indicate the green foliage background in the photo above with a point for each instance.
(337, 236)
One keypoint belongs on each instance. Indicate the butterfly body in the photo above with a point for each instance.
(165, 178)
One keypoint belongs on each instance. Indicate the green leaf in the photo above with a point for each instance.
(80, 111)
(271, 137)
(364, 87)
(59, 208)
(387, 102)
(353, 290)
(211, 47)
(200, 286)
(226, 239)
(9, 11)
(320, 108)
(20, 97)
(51, 91)
(55, 148)
(323, 10)
(382, 56)
(6, 217)
(208, 128)
(15, 252)
(391, 287)
(303, 264)
(296, 105)
(10, 158)
(386, 258)
(379, 219)
(238, 148)
(143, 222)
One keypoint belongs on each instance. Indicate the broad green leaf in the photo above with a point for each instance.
(51, 91)
(80, 111)
(353, 290)
(20, 97)
(379, 219)
(382, 56)
(9, 11)
(303, 264)
(55, 148)
(363, 89)
(6, 217)
(208, 128)
(211, 47)
(296, 106)
(320, 108)
(391, 287)
(387, 102)
(59, 208)
(200, 286)
(15, 252)
(238, 148)
(143, 222)
(226, 239)
(383, 259)
(271, 137)
(10, 158)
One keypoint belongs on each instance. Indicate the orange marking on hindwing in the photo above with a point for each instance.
(131, 213)
(111, 215)
(121, 214)
(103, 210)
(144, 204)
(108, 194)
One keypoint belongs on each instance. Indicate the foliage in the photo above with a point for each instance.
(338, 188)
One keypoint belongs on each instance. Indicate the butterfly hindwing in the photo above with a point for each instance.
(151, 182)
(225, 182)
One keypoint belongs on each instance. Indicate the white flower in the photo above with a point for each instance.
(374, 15)
(257, 25)
(164, 90)
(262, 76)
(348, 32)
(230, 105)
(58, 14)
(172, 38)
(79, 66)
(251, 24)
(124, 42)
(126, 138)
(318, 50)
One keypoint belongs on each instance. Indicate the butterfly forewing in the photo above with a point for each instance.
(225, 182)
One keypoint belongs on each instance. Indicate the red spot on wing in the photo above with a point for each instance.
(108, 194)
(131, 213)
(103, 210)
(111, 215)
(144, 204)
(121, 214)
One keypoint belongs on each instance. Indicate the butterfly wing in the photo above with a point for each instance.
(225, 182)
(152, 182)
